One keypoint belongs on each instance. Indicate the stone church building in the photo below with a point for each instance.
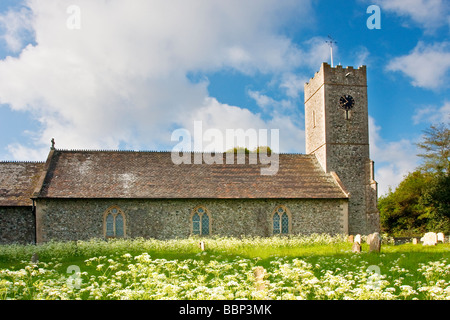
(82, 194)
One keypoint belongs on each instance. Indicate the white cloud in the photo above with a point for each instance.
(427, 65)
(317, 51)
(121, 78)
(293, 84)
(18, 151)
(221, 117)
(362, 56)
(430, 14)
(16, 27)
(393, 159)
(432, 114)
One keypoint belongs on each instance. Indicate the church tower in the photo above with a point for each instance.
(337, 133)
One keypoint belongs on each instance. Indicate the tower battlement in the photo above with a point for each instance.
(327, 74)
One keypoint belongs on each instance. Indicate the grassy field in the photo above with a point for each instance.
(299, 267)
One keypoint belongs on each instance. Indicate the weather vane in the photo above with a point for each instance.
(330, 43)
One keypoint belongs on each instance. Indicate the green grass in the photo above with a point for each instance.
(321, 259)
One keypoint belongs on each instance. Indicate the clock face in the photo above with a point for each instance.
(346, 102)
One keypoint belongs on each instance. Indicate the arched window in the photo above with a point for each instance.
(281, 221)
(200, 222)
(114, 223)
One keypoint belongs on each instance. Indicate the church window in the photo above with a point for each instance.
(205, 225)
(276, 223)
(196, 224)
(114, 223)
(281, 221)
(110, 225)
(201, 222)
(284, 223)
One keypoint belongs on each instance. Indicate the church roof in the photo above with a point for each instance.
(131, 174)
(18, 181)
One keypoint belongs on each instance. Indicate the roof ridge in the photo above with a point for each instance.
(20, 161)
(160, 151)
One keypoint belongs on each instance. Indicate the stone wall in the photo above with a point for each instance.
(16, 225)
(75, 219)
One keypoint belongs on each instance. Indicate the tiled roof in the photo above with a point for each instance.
(18, 181)
(129, 174)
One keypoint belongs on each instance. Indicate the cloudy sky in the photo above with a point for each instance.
(116, 74)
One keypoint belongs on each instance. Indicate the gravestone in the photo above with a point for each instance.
(201, 245)
(374, 241)
(35, 258)
(356, 247)
(414, 240)
(440, 237)
(358, 238)
(259, 273)
(429, 239)
(351, 238)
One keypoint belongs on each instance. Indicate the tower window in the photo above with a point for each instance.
(200, 222)
(114, 223)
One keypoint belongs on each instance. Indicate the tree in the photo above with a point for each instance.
(258, 150)
(402, 213)
(437, 198)
(436, 149)
(421, 202)
(238, 150)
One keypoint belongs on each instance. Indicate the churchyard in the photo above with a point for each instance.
(297, 267)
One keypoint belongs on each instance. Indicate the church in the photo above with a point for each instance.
(84, 194)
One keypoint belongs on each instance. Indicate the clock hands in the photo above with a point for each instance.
(346, 102)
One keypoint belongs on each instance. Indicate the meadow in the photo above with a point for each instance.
(319, 267)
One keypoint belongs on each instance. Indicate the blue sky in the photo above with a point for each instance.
(115, 75)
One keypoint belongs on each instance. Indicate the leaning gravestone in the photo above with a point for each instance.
(440, 237)
(374, 241)
(356, 247)
(358, 238)
(429, 239)
(259, 273)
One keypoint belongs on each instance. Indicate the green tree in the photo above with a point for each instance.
(402, 213)
(238, 150)
(259, 149)
(435, 148)
(436, 198)
(421, 202)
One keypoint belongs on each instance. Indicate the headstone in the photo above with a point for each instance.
(351, 238)
(414, 240)
(201, 245)
(440, 237)
(374, 241)
(429, 239)
(358, 238)
(356, 247)
(35, 258)
(259, 273)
